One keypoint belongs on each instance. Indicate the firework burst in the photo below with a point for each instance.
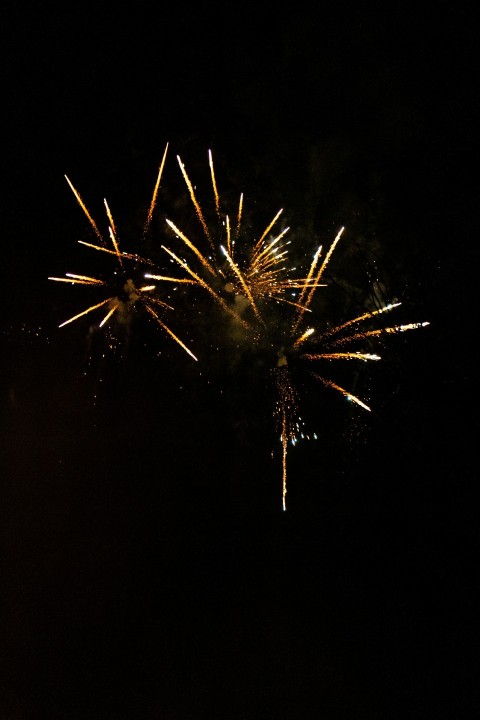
(242, 273)
(347, 341)
(125, 287)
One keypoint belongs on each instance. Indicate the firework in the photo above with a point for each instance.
(238, 271)
(246, 275)
(347, 341)
(124, 292)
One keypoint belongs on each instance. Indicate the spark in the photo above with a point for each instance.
(313, 287)
(125, 255)
(155, 192)
(360, 318)
(214, 183)
(196, 203)
(78, 279)
(85, 210)
(114, 307)
(345, 393)
(172, 334)
(259, 242)
(303, 337)
(169, 278)
(340, 356)
(84, 312)
(395, 329)
(193, 247)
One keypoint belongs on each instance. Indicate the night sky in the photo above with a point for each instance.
(147, 569)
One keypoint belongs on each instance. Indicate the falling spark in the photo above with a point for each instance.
(286, 415)
(84, 208)
(345, 393)
(172, 335)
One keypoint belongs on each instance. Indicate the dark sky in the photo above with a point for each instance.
(147, 567)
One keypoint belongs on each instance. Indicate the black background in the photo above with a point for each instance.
(147, 568)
